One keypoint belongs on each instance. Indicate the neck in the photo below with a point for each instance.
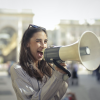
(36, 63)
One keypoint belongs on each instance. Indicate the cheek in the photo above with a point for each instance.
(37, 45)
(45, 45)
(33, 48)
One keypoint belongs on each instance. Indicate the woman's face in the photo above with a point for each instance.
(37, 43)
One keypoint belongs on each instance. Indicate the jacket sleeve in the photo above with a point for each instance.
(25, 91)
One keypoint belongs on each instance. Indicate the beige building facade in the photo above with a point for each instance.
(12, 25)
(69, 31)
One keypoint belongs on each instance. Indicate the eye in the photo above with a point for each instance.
(38, 41)
(45, 41)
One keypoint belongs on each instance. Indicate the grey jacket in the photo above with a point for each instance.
(28, 88)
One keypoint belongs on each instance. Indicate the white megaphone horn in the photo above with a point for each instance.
(86, 51)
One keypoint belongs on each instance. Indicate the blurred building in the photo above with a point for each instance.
(69, 31)
(12, 24)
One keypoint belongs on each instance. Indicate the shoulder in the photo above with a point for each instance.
(16, 68)
(17, 71)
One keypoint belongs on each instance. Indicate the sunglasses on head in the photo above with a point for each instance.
(35, 26)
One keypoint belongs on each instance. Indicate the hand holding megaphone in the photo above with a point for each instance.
(63, 65)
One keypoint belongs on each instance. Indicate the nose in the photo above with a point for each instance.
(43, 45)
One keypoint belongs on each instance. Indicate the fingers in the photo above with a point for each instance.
(63, 65)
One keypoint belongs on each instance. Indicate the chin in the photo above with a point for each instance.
(40, 59)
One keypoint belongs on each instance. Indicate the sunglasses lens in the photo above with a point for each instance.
(36, 26)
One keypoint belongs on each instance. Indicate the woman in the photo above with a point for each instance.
(32, 78)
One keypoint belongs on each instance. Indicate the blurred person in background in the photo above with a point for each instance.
(9, 63)
(97, 71)
(32, 78)
(74, 71)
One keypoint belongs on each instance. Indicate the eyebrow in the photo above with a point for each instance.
(41, 39)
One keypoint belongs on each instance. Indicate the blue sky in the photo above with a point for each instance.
(48, 13)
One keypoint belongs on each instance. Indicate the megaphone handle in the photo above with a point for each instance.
(59, 66)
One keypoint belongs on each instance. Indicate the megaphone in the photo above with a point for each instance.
(86, 51)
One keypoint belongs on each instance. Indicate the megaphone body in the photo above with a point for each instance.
(86, 51)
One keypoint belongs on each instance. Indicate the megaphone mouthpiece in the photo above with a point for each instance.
(51, 53)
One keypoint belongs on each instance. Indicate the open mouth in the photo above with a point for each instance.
(40, 53)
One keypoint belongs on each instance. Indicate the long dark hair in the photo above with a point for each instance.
(26, 58)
